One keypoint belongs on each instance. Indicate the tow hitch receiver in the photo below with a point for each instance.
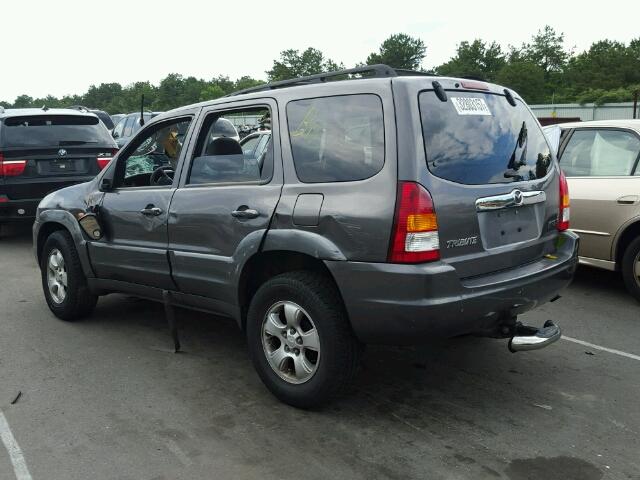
(532, 338)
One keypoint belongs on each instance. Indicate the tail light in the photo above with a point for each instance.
(564, 213)
(415, 228)
(11, 168)
(103, 159)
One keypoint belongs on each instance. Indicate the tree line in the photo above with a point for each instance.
(543, 70)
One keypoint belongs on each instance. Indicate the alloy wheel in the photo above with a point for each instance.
(291, 343)
(57, 276)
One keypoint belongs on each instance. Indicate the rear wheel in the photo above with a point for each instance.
(63, 281)
(300, 340)
(631, 268)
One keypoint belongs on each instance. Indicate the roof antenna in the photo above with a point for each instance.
(45, 108)
(142, 110)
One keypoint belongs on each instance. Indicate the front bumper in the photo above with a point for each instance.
(408, 304)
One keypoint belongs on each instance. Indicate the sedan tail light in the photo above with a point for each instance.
(415, 229)
(11, 168)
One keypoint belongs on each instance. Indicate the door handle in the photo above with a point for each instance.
(151, 211)
(628, 200)
(244, 212)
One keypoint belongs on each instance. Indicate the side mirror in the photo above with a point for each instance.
(106, 184)
(114, 134)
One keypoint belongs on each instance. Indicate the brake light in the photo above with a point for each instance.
(11, 168)
(564, 213)
(474, 85)
(415, 228)
(103, 159)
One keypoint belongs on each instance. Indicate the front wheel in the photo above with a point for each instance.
(300, 340)
(63, 281)
(631, 268)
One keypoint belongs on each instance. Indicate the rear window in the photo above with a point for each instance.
(336, 139)
(54, 130)
(477, 138)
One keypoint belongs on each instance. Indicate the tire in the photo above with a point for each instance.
(320, 307)
(76, 300)
(631, 268)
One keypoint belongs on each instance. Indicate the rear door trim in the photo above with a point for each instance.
(516, 198)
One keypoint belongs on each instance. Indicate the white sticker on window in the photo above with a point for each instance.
(470, 106)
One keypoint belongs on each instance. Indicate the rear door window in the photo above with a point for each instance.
(54, 130)
(336, 139)
(478, 138)
(600, 153)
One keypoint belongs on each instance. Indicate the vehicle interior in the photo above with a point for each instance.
(220, 157)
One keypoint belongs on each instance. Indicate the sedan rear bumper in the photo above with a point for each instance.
(408, 304)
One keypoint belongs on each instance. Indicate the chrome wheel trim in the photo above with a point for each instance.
(56, 276)
(290, 342)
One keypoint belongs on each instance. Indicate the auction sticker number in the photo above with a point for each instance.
(470, 106)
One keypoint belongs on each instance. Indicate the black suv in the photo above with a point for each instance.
(45, 150)
(387, 209)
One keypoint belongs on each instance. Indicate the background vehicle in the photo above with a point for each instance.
(101, 114)
(600, 160)
(117, 117)
(128, 126)
(389, 209)
(256, 143)
(44, 150)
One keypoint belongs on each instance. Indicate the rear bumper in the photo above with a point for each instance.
(19, 199)
(17, 210)
(407, 304)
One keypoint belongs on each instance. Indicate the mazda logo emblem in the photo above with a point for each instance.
(62, 152)
(518, 197)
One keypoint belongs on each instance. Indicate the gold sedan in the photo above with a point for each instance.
(600, 161)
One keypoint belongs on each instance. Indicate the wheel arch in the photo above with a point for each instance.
(266, 264)
(625, 236)
(51, 221)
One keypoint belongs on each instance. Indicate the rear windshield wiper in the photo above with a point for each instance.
(73, 142)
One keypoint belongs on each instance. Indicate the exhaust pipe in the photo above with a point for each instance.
(532, 338)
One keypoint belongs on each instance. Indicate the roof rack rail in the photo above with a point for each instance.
(376, 71)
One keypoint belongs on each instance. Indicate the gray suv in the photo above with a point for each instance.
(388, 207)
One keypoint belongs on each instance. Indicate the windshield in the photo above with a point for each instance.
(477, 138)
(54, 130)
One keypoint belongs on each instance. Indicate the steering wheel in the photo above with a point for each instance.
(160, 175)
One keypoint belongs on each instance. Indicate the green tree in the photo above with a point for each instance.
(477, 59)
(211, 92)
(23, 101)
(400, 51)
(547, 51)
(524, 77)
(246, 82)
(292, 64)
(607, 65)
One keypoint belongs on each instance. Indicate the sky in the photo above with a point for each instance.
(62, 47)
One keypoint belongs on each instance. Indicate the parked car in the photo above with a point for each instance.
(388, 209)
(600, 160)
(101, 114)
(116, 118)
(44, 150)
(128, 126)
(256, 143)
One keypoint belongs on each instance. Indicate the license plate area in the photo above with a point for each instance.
(510, 225)
(67, 166)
